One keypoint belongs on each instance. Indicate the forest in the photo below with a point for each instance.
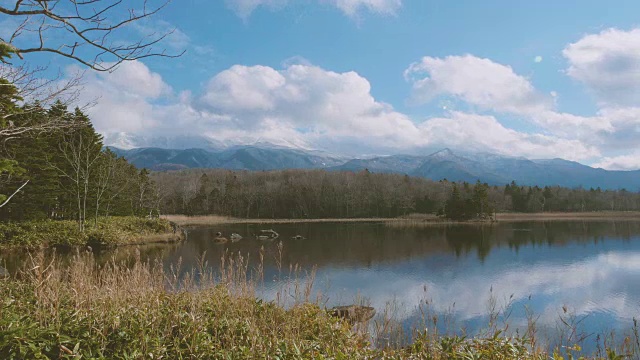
(66, 173)
(302, 194)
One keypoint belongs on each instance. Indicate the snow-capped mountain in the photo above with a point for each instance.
(127, 141)
(180, 152)
(246, 157)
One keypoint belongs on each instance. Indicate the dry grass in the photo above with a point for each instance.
(139, 310)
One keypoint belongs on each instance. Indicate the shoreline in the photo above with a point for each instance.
(207, 220)
(183, 220)
(570, 216)
(161, 238)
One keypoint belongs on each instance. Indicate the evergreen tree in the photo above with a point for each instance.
(481, 200)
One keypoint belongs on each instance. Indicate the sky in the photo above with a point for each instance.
(538, 79)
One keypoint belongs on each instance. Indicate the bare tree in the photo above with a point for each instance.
(106, 169)
(80, 155)
(96, 33)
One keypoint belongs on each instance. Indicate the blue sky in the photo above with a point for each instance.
(538, 79)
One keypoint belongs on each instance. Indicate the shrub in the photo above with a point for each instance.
(107, 232)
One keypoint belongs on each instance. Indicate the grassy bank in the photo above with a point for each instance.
(140, 311)
(109, 231)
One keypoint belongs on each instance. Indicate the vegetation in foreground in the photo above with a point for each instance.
(105, 232)
(140, 311)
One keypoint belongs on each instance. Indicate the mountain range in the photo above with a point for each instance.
(444, 164)
(250, 157)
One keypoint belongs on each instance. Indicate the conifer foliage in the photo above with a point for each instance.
(66, 173)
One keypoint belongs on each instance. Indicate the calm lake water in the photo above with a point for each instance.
(589, 269)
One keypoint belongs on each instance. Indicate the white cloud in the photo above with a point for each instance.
(573, 126)
(625, 128)
(537, 59)
(568, 283)
(477, 81)
(302, 105)
(352, 7)
(244, 8)
(489, 86)
(622, 162)
(124, 97)
(608, 63)
(135, 78)
(325, 103)
(485, 133)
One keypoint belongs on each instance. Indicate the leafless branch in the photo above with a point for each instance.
(89, 31)
(39, 93)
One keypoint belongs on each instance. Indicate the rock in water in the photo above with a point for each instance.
(220, 240)
(354, 313)
(271, 233)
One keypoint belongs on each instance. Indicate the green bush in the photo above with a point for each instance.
(38, 233)
(107, 232)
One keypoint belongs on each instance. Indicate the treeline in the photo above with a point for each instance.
(65, 173)
(323, 194)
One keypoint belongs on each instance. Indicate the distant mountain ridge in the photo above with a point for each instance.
(234, 158)
(444, 164)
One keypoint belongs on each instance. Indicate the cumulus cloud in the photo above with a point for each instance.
(477, 81)
(625, 128)
(309, 97)
(568, 125)
(621, 162)
(301, 105)
(244, 8)
(486, 133)
(124, 99)
(488, 86)
(608, 63)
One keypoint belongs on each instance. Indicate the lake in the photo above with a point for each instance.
(585, 272)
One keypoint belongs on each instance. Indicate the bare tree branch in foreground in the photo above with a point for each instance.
(91, 32)
(40, 93)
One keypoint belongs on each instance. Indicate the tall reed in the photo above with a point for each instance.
(138, 309)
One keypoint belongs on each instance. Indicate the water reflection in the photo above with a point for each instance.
(590, 268)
